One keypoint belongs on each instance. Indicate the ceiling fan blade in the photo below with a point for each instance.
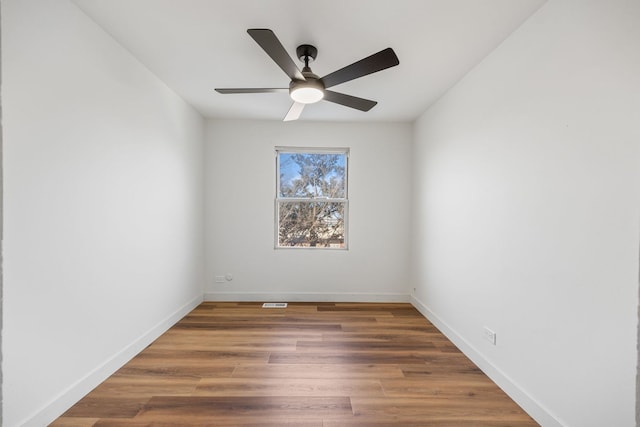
(270, 44)
(294, 112)
(371, 64)
(252, 90)
(349, 101)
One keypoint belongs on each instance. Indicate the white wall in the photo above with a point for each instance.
(241, 178)
(103, 207)
(527, 209)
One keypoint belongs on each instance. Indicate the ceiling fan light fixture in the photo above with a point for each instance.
(306, 93)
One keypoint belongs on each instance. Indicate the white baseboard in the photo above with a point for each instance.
(536, 410)
(305, 297)
(77, 391)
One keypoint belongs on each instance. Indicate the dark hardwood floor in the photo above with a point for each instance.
(309, 365)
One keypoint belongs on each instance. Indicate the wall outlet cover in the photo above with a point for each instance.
(490, 335)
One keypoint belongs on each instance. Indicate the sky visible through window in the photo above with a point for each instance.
(291, 170)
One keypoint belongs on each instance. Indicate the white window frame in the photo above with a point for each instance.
(345, 200)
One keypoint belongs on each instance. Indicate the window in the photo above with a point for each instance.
(311, 198)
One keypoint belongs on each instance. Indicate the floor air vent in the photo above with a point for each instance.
(274, 305)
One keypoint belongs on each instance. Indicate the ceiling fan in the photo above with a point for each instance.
(305, 86)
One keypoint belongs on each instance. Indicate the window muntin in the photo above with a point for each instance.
(311, 198)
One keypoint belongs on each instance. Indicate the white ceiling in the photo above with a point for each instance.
(195, 46)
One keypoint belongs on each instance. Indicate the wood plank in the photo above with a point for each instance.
(204, 356)
(74, 422)
(417, 409)
(179, 408)
(313, 371)
(344, 359)
(425, 422)
(442, 364)
(444, 386)
(179, 368)
(124, 385)
(232, 345)
(218, 422)
(365, 346)
(106, 407)
(213, 326)
(288, 387)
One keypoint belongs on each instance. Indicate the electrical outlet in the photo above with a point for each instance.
(219, 279)
(490, 335)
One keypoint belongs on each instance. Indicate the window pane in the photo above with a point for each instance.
(312, 175)
(311, 224)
